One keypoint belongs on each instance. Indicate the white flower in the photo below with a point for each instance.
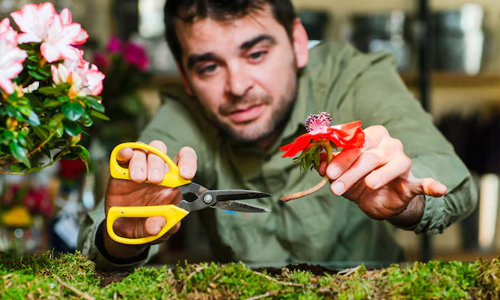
(32, 87)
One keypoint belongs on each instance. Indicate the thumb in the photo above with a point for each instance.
(433, 188)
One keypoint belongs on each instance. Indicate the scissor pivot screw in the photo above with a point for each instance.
(207, 198)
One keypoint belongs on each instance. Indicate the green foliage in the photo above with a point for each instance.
(36, 123)
(311, 157)
(73, 276)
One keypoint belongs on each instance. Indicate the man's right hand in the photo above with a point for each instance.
(135, 192)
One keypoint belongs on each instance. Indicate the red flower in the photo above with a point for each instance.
(321, 137)
(345, 136)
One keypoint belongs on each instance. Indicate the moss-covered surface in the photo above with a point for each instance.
(72, 276)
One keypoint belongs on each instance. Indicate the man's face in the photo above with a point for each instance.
(243, 71)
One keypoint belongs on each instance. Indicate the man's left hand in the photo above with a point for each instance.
(378, 177)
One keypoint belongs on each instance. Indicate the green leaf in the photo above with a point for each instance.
(86, 121)
(19, 153)
(55, 91)
(41, 133)
(52, 103)
(36, 75)
(7, 134)
(81, 151)
(72, 128)
(21, 139)
(45, 72)
(99, 115)
(94, 103)
(24, 110)
(73, 110)
(18, 167)
(11, 111)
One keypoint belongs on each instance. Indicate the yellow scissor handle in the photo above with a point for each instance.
(171, 179)
(172, 214)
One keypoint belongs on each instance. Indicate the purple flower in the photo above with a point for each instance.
(136, 55)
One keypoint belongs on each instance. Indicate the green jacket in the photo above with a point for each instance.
(321, 227)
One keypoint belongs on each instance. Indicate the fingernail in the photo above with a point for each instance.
(156, 175)
(338, 188)
(186, 171)
(333, 172)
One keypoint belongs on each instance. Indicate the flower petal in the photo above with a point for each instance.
(345, 136)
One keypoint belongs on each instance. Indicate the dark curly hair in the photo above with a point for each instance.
(189, 10)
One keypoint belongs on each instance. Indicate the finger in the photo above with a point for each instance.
(363, 166)
(156, 165)
(388, 172)
(346, 158)
(154, 225)
(323, 164)
(137, 166)
(124, 155)
(187, 161)
(433, 188)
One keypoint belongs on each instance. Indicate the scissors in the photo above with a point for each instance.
(195, 197)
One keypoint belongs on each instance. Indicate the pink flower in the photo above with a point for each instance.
(94, 79)
(101, 60)
(67, 20)
(56, 33)
(11, 57)
(33, 21)
(136, 55)
(58, 42)
(114, 45)
(84, 80)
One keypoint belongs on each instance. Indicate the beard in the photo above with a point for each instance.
(254, 132)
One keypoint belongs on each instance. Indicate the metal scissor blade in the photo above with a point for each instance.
(226, 195)
(239, 206)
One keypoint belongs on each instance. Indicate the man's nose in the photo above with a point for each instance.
(238, 81)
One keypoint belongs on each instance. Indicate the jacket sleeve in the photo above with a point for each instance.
(373, 92)
(87, 244)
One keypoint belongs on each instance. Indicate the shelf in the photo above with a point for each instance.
(455, 79)
(411, 80)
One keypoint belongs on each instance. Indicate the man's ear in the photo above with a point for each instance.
(184, 80)
(300, 41)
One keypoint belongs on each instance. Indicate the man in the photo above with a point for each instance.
(249, 84)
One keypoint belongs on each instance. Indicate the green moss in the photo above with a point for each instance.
(72, 276)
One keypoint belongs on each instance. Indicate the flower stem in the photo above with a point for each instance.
(318, 186)
(304, 193)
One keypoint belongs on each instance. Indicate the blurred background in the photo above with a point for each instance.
(447, 52)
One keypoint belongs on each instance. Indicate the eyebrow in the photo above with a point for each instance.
(261, 38)
(197, 58)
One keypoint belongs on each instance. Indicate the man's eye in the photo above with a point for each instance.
(207, 69)
(257, 56)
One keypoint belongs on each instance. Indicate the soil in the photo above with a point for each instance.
(108, 277)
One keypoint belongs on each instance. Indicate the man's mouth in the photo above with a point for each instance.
(247, 114)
